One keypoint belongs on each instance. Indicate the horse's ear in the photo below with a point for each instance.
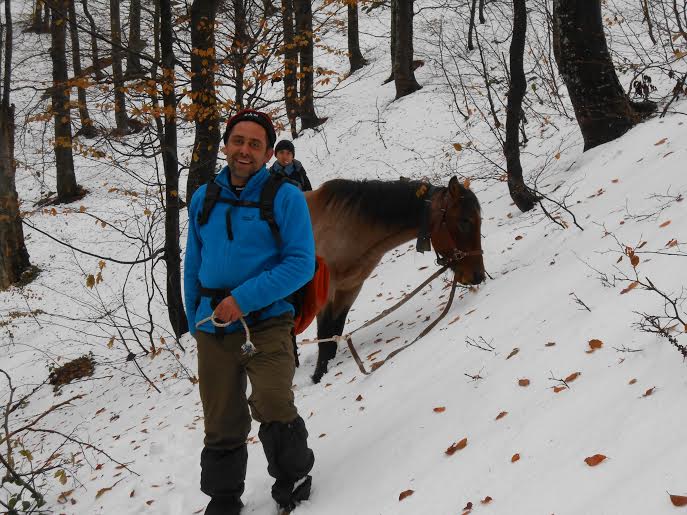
(454, 187)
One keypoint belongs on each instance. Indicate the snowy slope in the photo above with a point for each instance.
(377, 436)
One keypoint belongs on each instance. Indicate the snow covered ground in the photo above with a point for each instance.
(529, 380)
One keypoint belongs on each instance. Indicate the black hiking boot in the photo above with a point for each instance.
(288, 494)
(224, 506)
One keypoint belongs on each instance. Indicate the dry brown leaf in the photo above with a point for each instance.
(322, 435)
(632, 381)
(550, 344)
(359, 398)
(468, 507)
(513, 353)
(405, 493)
(102, 491)
(678, 500)
(456, 447)
(501, 415)
(572, 377)
(634, 260)
(439, 409)
(665, 224)
(458, 147)
(518, 237)
(672, 243)
(631, 287)
(593, 461)
(486, 500)
(454, 320)
(524, 382)
(660, 142)
(558, 389)
(595, 344)
(650, 391)
(515, 457)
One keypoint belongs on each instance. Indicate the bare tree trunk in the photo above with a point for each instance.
(647, 19)
(14, 258)
(206, 114)
(268, 8)
(355, 56)
(471, 28)
(602, 108)
(67, 188)
(290, 66)
(404, 75)
(175, 306)
(392, 39)
(45, 26)
(121, 118)
(37, 24)
(136, 45)
(303, 10)
(482, 19)
(94, 41)
(519, 192)
(87, 129)
(238, 46)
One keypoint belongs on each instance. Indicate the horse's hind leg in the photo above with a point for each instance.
(330, 322)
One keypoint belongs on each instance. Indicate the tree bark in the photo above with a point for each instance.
(238, 46)
(519, 192)
(87, 130)
(471, 28)
(602, 108)
(290, 66)
(355, 56)
(392, 39)
(67, 188)
(404, 75)
(121, 118)
(94, 41)
(14, 258)
(205, 112)
(175, 306)
(482, 19)
(303, 10)
(133, 62)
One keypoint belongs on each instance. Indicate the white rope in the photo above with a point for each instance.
(248, 347)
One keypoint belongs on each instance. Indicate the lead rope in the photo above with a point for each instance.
(348, 336)
(247, 348)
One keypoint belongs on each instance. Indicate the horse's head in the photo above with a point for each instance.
(456, 231)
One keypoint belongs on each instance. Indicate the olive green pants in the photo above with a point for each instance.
(223, 371)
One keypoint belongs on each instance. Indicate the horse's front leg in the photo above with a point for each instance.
(331, 322)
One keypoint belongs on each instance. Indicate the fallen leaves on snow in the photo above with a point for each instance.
(405, 493)
(456, 447)
(593, 461)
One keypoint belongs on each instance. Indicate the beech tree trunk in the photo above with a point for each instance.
(121, 118)
(303, 10)
(136, 45)
(290, 66)
(206, 114)
(238, 49)
(87, 129)
(404, 75)
(67, 188)
(175, 306)
(14, 258)
(355, 56)
(94, 42)
(602, 108)
(520, 194)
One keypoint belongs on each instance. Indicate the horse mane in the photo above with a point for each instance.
(389, 203)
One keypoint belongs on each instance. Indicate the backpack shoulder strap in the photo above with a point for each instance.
(212, 192)
(269, 192)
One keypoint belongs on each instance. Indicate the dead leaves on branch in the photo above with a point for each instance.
(678, 500)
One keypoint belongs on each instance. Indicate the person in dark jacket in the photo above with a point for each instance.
(288, 165)
(241, 274)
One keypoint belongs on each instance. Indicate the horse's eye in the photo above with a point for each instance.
(464, 225)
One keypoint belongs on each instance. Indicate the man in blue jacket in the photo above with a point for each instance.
(236, 268)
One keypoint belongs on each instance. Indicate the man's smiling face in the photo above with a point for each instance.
(246, 151)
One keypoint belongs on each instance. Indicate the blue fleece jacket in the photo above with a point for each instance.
(258, 272)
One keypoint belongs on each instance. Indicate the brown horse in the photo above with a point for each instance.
(357, 222)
